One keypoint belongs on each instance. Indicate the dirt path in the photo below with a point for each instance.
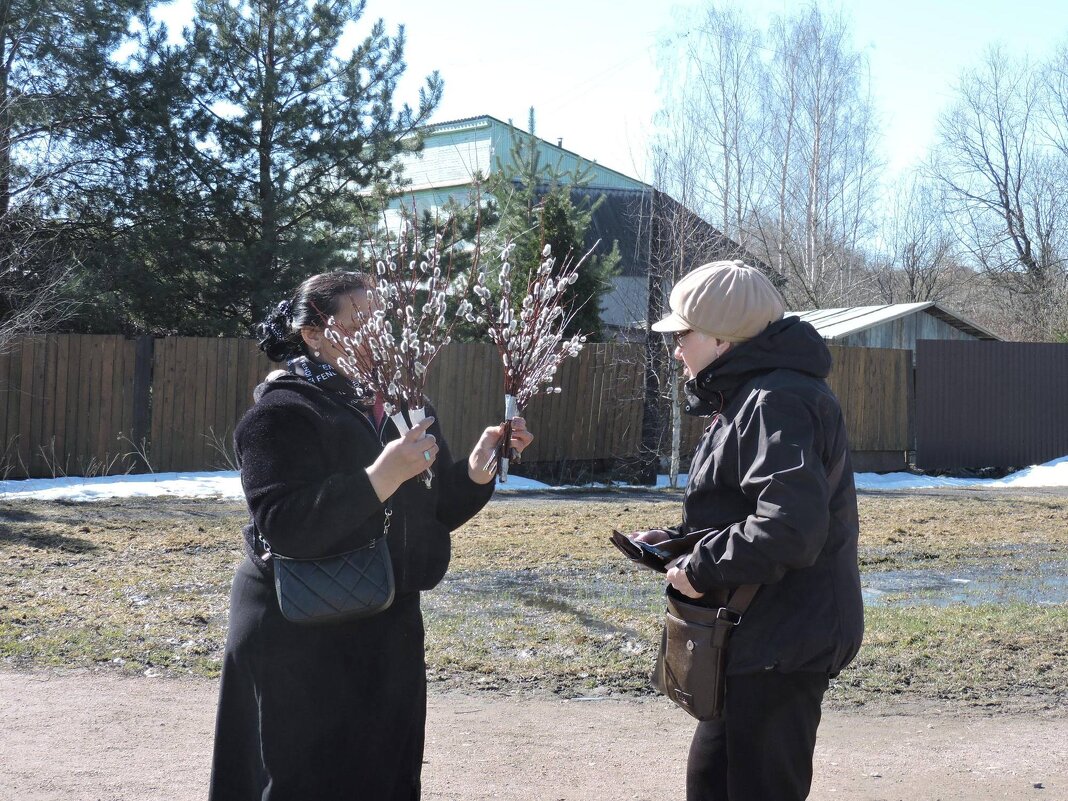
(91, 737)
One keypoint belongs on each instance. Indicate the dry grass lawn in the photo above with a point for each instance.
(535, 598)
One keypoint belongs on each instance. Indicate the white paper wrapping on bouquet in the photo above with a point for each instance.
(416, 416)
(511, 410)
(406, 424)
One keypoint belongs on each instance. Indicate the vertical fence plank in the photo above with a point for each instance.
(59, 407)
(27, 446)
(6, 397)
(49, 429)
(162, 398)
(119, 395)
(224, 421)
(103, 377)
(14, 412)
(40, 462)
(73, 408)
(8, 400)
(201, 389)
(126, 389)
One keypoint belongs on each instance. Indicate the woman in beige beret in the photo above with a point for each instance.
(770, 502)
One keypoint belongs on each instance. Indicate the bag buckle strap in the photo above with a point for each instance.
(729, 615)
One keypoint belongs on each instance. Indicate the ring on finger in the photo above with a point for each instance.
(426, 455)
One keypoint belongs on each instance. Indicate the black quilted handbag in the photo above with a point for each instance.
(332, 589)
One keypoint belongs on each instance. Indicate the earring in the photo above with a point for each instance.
(316, 354)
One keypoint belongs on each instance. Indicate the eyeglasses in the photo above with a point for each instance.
(678, 336)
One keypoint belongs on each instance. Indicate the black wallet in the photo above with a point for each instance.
(654, 557)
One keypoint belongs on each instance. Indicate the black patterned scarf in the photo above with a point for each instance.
(325, 376)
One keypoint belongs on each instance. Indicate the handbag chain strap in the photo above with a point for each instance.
(267, 553)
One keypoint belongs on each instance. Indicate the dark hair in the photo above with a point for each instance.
(311, 305)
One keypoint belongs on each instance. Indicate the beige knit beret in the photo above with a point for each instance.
(726, 299)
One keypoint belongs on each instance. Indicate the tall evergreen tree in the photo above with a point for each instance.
(540, 204)
(58, 81)
(60, 85)
(264, 152)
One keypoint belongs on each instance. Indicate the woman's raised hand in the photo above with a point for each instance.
(403, 458)
(487, 444)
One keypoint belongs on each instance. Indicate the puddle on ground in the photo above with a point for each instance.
(972, 584)
(577, 594)
(582, 594)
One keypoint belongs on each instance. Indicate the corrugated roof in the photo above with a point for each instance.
(836, 323)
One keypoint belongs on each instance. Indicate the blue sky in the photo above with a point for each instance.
(589, 66)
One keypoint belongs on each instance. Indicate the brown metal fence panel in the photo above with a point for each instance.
(984, 404)
(67, 406)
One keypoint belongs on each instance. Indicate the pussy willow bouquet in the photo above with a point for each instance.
(390, 345)
(529, 335)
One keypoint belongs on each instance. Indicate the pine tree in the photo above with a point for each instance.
(60, 85)
(540, 204)
(266, 144)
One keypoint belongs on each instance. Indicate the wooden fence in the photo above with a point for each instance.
(873, 386)
(79, 404)
(66, 405)
(200, 388)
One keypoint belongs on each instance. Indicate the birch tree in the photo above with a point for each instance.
(783, 131)
(920, 263)
(820, 157)
(1001, 158)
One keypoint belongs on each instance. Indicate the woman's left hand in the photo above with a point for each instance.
(487, 445)
(678, 579)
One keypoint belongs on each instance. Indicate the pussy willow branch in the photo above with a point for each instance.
(531, 344)
(391, 345)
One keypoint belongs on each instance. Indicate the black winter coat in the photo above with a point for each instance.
(772, 482)
(334, 712)
(303, 454)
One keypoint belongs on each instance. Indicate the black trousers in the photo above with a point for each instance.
(761, 749)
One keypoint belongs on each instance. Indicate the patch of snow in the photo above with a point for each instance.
(520, 484)
(227, 484)
(663, 482)
(1050, 474)
(208, 484)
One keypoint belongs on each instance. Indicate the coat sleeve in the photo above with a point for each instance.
(459, 498)
(782, 473)
(300, 506)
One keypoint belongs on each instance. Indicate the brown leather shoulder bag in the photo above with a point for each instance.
(691, 668)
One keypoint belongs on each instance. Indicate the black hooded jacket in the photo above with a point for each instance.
(771, 481)
(303, 453)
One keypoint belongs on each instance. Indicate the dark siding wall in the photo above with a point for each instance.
(981, 404)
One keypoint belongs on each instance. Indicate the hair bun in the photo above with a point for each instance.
(275, 338)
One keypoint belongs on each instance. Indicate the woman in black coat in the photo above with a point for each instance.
(334, 711)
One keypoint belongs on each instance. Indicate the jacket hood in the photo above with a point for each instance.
(280, 379)
(789, 343)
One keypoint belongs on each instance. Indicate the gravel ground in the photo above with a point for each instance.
(84, 736)
(97, 734)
